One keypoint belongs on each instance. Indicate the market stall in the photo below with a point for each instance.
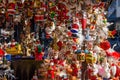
(71, 37)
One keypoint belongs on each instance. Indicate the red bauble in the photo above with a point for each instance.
(74, 47)
(69, 33)
(60, 44)
(75, 40)
(105, 45)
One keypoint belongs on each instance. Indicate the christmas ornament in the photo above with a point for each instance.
(84, 21)
(11, 8)
(105, 45)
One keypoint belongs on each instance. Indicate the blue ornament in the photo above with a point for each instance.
(86, 51)
(8, 57)
(78, 51)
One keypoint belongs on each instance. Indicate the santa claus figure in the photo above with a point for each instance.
(51, 71)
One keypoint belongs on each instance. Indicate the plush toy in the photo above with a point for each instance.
(106, 69)
(11, 8)
(51, 27)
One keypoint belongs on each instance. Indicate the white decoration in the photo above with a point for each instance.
(106, 69)
(113, 70)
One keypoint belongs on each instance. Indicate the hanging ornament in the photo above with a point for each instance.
(75, 40)
(86, 51)
(39, 17)
(39, 56)
(112, 33)
(92, 27)
(19, 7)
(29, 12)
(22, 1)
(52, 14)
(69, 33)
(81, 57)
(37, 3)
(90, 59)
(78, 51)
(39, 49)
(60, 44)
(35, 77)
(75, 28)
(2, 8)
(62, 12)
(11, 8)
(74, 47)
(84, 21)
(105, 45)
